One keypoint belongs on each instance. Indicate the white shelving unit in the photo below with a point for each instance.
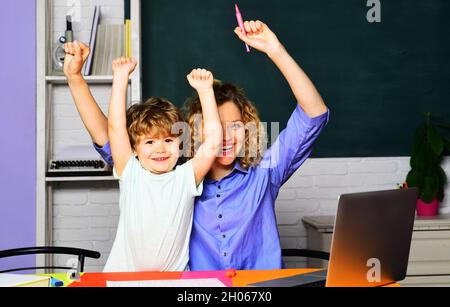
(45, 86)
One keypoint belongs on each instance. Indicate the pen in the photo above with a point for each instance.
(69, 31)
(241, 24)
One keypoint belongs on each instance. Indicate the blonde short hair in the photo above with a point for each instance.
(154, 117)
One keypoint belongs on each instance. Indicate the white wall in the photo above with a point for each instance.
(86, 216)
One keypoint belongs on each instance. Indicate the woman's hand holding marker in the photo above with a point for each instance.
(259, 36)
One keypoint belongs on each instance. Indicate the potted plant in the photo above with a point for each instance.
(429, 148)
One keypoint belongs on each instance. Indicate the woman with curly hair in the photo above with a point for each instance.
(234, 218)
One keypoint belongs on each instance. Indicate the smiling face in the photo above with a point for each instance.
(233, 133)
(159, 154)
(153, 134)
(244, 135)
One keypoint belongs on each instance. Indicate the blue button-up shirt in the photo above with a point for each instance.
(234, 219)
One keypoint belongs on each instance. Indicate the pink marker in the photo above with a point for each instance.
(241, 24)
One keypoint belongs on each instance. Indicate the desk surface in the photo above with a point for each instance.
(242, 278)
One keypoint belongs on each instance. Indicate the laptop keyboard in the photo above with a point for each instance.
(315, 279)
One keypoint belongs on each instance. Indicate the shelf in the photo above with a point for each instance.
(49, 81)
(89, 79)
(79, 179)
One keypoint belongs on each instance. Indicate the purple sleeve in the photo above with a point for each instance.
(293, 146)
(105, 152)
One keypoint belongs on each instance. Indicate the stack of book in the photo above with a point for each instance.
(107, 42)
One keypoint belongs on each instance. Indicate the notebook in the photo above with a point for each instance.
(179, 283)
(10, 280)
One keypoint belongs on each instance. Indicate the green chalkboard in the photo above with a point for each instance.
(377, 78)
(127, 9)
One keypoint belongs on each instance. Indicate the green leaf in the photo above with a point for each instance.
(412, 178)
(431, 183)
(430, 141)
(427, 196)
(422, 159)
(435, 140)
(430, 189)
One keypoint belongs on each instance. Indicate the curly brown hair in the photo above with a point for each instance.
(155, 117)
(254, 138)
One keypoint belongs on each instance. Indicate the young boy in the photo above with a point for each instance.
(156, 201)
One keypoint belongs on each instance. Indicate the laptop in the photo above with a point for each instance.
(371, 242)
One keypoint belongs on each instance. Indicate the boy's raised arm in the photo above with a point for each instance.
(260, 37)
(92, 116)
(117, 121)
(202, 81)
